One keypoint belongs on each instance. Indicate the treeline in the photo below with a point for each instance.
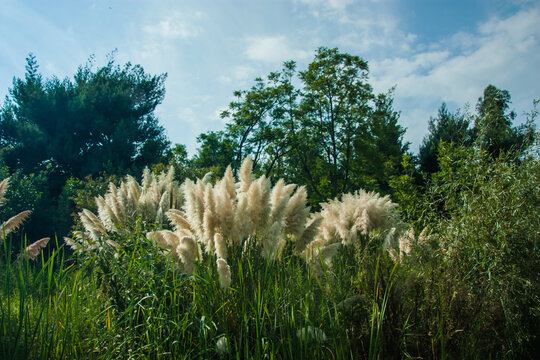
(63, 141)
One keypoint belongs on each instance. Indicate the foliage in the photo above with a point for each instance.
(486, 226)
(331, 135)
(446, 127)
(100, 120)
(24, 192)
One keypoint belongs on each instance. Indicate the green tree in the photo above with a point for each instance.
(446, 127)
(216, 151)
(100, 120)
(336, 107)
(493, 130)
(332, 134)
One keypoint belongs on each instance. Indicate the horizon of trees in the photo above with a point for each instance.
(61, 139)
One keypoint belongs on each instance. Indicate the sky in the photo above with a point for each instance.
(432, 51)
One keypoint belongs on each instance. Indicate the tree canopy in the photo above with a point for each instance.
(332, 134)
(100, 120)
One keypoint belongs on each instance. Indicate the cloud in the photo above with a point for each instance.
(329, 4)
(502, 52)
(274, 49)
(174, 26)
(243, 73)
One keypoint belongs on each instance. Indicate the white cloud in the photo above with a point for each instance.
(243, 73)
(331, 4)
(274, 49)
(501, 52)
(174, 26)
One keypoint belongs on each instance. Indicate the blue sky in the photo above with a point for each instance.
(432, 50)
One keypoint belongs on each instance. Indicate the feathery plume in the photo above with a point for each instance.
(356, 213)
(222, 345)
(187, 252)
(178, 219)
(311, 334)
(92, 224)
(3, 188)
(308, 235)
(405, 242)
(164, 238)
(14, 222)
(228, 183)
(33, 250)
(209, 223)
(296, 213)
(245, 174)
(207, 178)
(393, 255)
(220, 245)
(106, 214)
(226, 205)
(224, 271)
(279, 201)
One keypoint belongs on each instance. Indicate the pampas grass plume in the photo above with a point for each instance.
(245, 174)
(3, 188)
(224, 271)
(32, 251)
(296, 213)
(187, 252)
(14, 222)
(220, 245)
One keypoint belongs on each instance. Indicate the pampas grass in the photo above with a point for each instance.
(224, 271)
(15, 222)
(121, 207)
(226, 213)
(3, 188)
(33, 250)
(347, 222)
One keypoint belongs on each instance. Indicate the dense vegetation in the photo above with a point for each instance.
(375, 253)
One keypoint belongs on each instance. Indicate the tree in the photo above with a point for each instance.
(336, 107)
(385, 148)
(493, 126)
(100, 120)
(216, 151)
(446, 127)
(332, 134)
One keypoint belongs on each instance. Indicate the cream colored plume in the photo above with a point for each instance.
(32, 251)
(226, 213)
(245, 174)
(3, 188)
(14, 222)
(187, 253)
(122, 206)
(354, 215)
(346, 222)
(224, 271)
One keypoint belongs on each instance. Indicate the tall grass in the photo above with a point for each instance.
(467, 288)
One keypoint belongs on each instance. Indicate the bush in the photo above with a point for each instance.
(485, 221)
